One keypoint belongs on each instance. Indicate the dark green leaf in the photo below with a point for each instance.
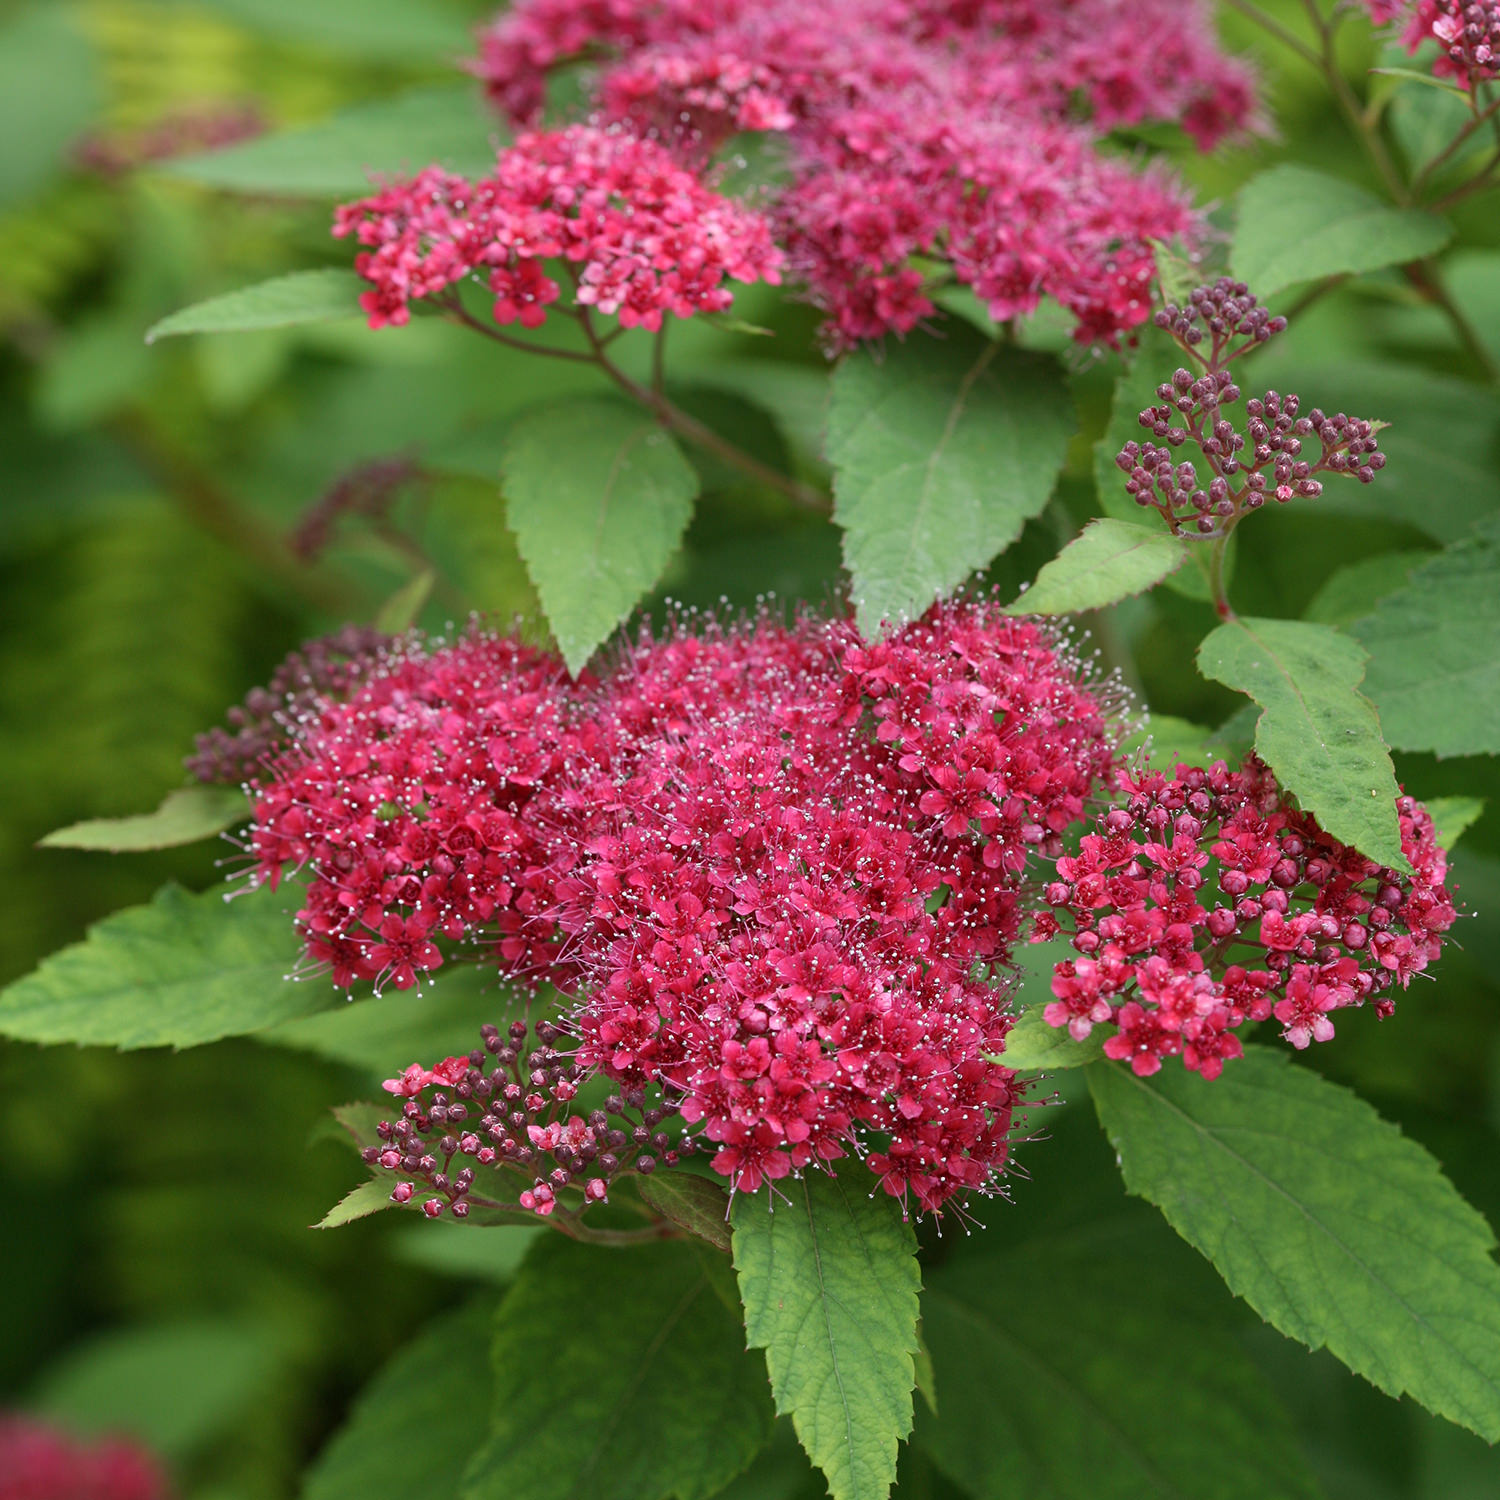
(1056, 1377)
(1349, 593)
(1317, 732)
(1299, 225)
(657, 1396)
(698, 1205)
(596, 521)
(185, 970)
(301, 297)
(370, 1197)
(1108, 561)
(186, 815)
(402, 1439)
(830, 1283)
(1327, 1220)
(942, 450)
(1434, 647)
(340, 157)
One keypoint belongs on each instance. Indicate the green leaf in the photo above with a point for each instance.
(1299, 225)
(1434, 647)
(1169, 742)
(596, 521)
(1349, 593)
(184, 970)
(1414, 75)
(472, 1251)
(1057, 1372)
(49, 90)
(942, 449)
(358, 1203)
(186, 815)
(301, 297)
(340, 157)
(657, 1396)
(1107, 561)
(173, 1386)
(1032, 1044)
(399, 612)
(1317, 732)
(1451, 816)
(698, 1205)
(1324, 1218)
(392, 30)
(401, 1437)
(830, 1283)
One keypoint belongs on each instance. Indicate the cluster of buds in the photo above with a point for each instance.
(39, 1462)
(1301, 925)
(506, 1114)
(1245, 469)
(1468, 31)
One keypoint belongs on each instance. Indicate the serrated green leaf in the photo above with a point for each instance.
(596, 521)
(829, 1282)
(1298, 225)
(1324, 1218)
(1317, 732)
(400, 1438)
(1061, 1373)
(184, 970)
(1452, 816)
(370, 1197)
(698, 1205)
(300, 297)
(186, 815)
(1107, 561)
(1032, 1044)
(445, 126)
(658, 1396)
(942, 450)
(1434, 647)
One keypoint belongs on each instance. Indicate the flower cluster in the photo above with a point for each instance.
(1468, 31)
(37, 1462)
(772, 862)
(1207, 901)
(638, 233)
(1245, 469)
(918, 131)
(518, 1118)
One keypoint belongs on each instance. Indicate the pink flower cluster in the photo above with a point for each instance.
(917, 131)
(1207, 901)
(1468, 31)
(637, 233)
(771, 861)
(38, 1462)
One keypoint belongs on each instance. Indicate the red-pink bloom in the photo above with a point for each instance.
(1468, 31)
(39, 1462)
(1164, 958)
(637, 233)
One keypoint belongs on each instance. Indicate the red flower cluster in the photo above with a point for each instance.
(1468, 31)
(916, 129)
(768, 859)
(37, 1462)
(1301, 925)
(638, 233)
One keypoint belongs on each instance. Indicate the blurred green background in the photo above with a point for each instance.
(175, 517)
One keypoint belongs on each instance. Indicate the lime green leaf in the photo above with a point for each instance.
(358, 1203)
(400, 611)
(1107, 561)
(445, 126)
(49, 90)
(1349, 593)
(1059, 1378)
(1299, 225)
(1451, 816)
(1324, 1218)
(480, 1252)
(1434, 649)
(185, 970)
(173, 1386)
(830, 1282)
(186, 815)
(301, 297)
(1414, 75)
(657, 1396)
(359, 1121)
(1170, 741)
(1033, 1044)
(1317, 732)
(393, 30)
(401, 1438)
(698, 1205)
(926, 1376)
(942, 449)
(1175, 274)
(596, 521)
